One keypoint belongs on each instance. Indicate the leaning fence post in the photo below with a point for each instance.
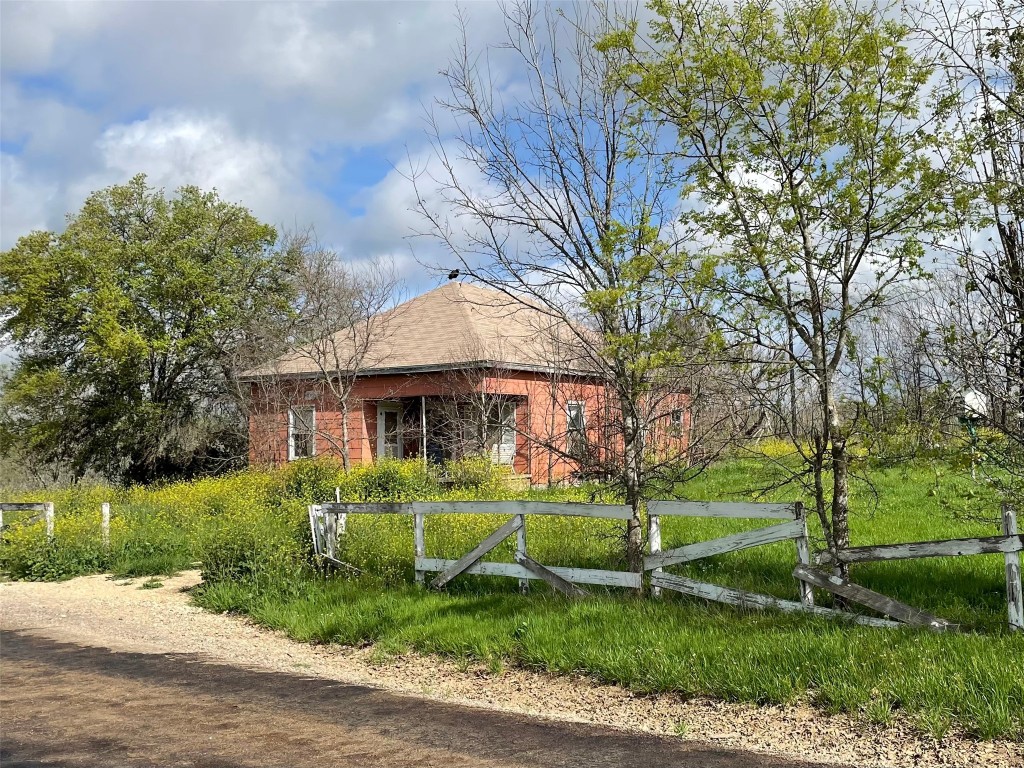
(314, 528)
(1014, 596)
(524, 584)
(419, 540)
(48, 507)
(105, 523)
(803, 555)
(654, 539)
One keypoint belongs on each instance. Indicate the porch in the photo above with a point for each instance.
(439, 429)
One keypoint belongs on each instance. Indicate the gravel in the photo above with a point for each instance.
(118, 615)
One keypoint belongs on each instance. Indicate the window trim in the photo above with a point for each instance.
(291, 431)
(571, 432)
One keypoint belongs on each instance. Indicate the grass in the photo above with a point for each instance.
(250, 531)
(971, 681)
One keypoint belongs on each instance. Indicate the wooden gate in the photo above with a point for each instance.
(327, 522)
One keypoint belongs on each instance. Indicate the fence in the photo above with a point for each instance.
(1010, 545)
(44, 511)
(328, 522)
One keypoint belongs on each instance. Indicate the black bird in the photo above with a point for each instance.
(453, 274)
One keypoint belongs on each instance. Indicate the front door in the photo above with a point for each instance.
(503, 449)
(389, 430)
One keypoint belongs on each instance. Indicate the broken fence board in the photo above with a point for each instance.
(985, 545)
(474, 555)
(873, 600)
(598, 577)
(741, 509)
(744, 599)
(1014, 592)
(571, 509)
(732, 543)
(564, 586)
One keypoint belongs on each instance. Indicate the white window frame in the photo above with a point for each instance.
(571, 432)
(291, 431)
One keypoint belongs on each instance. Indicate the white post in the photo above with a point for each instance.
(524, 584)
(49, 519)
(419, 540)
(1014, 595)
(423, 425)
(803, 555)
(343, 517)
(654, 539)
(105, 524)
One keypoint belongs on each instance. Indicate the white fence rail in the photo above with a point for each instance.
(327, 523)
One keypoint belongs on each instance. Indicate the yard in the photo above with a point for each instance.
(250, 533)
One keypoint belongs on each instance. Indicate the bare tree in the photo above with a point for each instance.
(546, 193)
(982, 50)
(340, 328)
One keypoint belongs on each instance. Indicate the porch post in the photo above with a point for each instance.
(423, 427)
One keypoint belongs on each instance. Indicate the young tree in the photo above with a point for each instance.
(126, 327)
(546, 194)
(800, 130)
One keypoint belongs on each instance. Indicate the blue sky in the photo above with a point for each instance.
(307, 113)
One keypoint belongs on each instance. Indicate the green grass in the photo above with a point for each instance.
(972, 682)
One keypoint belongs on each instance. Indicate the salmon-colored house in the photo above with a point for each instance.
(459, 370)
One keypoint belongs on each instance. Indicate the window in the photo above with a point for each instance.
(301, 433)
(576, 419)
(677, 417)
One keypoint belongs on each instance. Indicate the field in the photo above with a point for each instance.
(251, 535)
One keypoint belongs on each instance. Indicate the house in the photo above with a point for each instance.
(458, 370)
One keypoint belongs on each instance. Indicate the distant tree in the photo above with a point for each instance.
(800, 131)
(979, 300)
(129, 327)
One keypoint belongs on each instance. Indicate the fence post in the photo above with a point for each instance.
(343, 517)
(419, 539)
(105, 524)
(654, 540)
(524, 584)
(49, 519)
(803, 555)
(1014, 596)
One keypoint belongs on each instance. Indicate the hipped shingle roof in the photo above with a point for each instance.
(454, 326)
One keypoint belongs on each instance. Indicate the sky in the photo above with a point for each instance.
(307, 113)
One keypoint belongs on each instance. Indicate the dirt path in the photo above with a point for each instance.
(94, 673)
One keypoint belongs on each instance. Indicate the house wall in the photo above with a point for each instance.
(541, 416)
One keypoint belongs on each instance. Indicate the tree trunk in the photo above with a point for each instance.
(345, 458)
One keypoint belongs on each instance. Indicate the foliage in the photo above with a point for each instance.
(811, 180)
(128, 326)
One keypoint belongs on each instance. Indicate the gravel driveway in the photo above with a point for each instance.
(96, 672)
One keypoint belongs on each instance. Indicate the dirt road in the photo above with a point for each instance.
(64, 704)
(96, 672)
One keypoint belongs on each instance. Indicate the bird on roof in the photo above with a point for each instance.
(453, 274)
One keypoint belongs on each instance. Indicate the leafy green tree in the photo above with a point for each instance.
(799, 129)
(129, 327)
